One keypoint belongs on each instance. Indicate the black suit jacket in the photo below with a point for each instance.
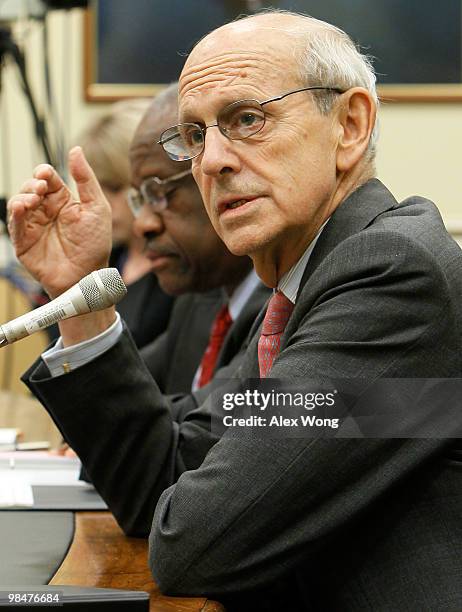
(145, 309)
(299, 524)
(174, 357)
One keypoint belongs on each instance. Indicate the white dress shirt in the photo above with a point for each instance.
(290, 282)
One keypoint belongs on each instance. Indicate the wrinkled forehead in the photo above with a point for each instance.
(236, 55)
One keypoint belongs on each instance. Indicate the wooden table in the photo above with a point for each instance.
(102, 556)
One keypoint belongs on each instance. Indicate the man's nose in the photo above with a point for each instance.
(148, 222)
(219, 155)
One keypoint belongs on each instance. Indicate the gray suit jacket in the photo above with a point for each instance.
(298, 524)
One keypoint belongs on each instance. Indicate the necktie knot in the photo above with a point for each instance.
(277, 314)
(276, 317)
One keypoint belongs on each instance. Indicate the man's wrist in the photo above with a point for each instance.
(87, 326)
(62, 360)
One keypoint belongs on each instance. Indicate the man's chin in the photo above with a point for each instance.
(241, 243)
(176, 284)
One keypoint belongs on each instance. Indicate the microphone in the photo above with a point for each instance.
(95, 291)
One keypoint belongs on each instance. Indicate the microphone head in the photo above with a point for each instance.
(102, 288)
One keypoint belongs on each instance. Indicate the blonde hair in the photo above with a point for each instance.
(106, 141)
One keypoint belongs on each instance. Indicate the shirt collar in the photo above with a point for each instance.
(241, 294)
(290, 282)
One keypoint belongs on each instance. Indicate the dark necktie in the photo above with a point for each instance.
(276, 317)
(218, 332)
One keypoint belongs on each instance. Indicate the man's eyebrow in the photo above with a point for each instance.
(188, 116)
(192, 116)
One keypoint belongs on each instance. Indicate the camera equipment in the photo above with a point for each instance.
(10, 12)
(10, 48)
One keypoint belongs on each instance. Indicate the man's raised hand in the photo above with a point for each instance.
(57, 238)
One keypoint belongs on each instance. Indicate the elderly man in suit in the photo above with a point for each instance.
(277, 112)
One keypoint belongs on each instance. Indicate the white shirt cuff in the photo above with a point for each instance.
(61, 360)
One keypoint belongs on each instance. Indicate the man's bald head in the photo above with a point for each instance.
(314, 51)
(270, 22)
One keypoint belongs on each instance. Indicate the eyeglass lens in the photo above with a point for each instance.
(154, 193)
(156, 198)
(237, 121)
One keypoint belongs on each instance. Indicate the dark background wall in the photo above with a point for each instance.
(413, 41)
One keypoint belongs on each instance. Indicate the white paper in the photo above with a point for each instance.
(8, 435)
(14, 490)
(21, 471)
(38, 460)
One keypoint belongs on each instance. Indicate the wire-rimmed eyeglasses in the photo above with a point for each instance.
(236, 121)
(155, 192)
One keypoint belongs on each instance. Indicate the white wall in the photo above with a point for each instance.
(420, 152)
(419, 147)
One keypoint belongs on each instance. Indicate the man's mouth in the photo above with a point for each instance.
(153, 252)
(160, 261)
(233, 203)
(236, 204)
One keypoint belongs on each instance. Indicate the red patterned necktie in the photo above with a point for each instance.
(276, 317)
(218, 332)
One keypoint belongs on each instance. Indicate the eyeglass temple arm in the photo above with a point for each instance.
(170, 179)
(277, 98)
(163, 141)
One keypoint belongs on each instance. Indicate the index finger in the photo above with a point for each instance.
(49, 174)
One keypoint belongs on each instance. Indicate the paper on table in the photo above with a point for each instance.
(36, 468)
(51, 477)
(37, 460)
(15, 490)
(8, 435)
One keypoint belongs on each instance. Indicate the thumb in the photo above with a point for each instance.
(87, 184)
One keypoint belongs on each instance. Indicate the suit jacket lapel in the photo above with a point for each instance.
(353, 215)
(356, 213)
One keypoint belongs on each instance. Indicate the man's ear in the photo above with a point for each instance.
(356, 117)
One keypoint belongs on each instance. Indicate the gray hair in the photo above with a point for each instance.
(327, 56)
(331, 59)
